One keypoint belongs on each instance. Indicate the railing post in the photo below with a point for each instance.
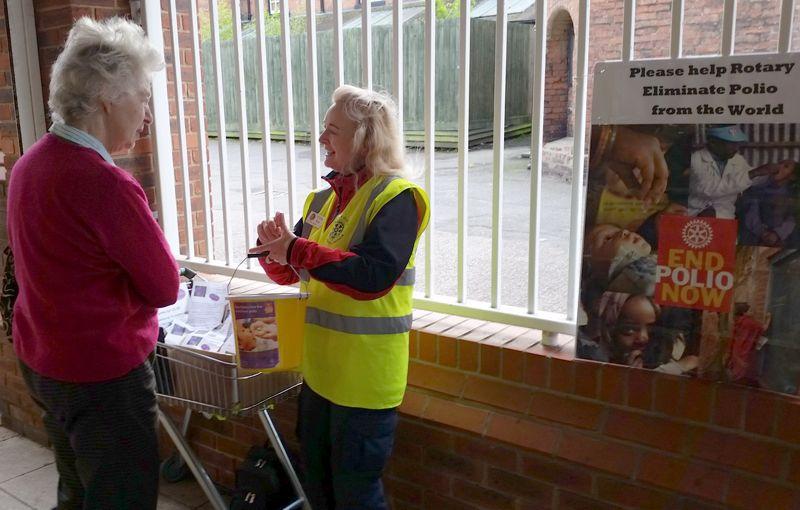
(160, 132)
(549, 338)
(25, 52)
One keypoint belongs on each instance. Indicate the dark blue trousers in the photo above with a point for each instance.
(344, 452)
(104, 439)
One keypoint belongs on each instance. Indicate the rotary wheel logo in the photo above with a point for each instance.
(337, 231)
(697, 234)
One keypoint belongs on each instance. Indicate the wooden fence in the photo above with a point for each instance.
(519, 64)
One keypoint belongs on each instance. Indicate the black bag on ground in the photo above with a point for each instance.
(261, 482)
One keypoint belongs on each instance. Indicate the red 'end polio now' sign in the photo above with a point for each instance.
(696, 261)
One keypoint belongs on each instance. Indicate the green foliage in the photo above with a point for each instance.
(450, 8)
(225, 21)
(447, 8)
(272, 23)
(297, 24)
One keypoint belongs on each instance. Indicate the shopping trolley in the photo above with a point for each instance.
(212, 383)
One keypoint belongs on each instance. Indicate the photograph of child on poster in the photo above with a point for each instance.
(744, 177)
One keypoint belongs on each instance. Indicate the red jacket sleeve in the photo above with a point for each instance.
(280, 274)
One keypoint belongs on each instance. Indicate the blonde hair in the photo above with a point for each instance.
(377, 132)
(101, 60)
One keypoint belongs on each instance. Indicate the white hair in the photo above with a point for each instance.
(101, 60)
(377, 131)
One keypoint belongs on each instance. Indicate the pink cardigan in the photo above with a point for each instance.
(91, 262)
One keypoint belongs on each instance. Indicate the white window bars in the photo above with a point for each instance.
(218, 226)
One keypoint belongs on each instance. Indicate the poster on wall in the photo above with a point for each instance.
(691, 256)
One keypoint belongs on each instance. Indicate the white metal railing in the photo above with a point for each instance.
(263, 90)
(366, 43)
(430, 114)
(537, 122)
(338, 47)
(460, 302)
(184, 153)
(579, 139)
(244, 157)
(221, 134)
(288, 94)
(498, 144)
(397, 56)
(160, 133)
(313, 90)
(201, 128)
(463, 154)
(628, 28)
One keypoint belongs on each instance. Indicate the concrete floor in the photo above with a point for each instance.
(28, 479)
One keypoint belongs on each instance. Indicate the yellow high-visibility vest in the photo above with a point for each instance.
(355, 352)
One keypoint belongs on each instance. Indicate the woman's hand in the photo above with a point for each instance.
(268, 231)
(275, 237)
(643, 151)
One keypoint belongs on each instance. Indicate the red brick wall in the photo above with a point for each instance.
(502, 425)
(491, 421)
(756, 31)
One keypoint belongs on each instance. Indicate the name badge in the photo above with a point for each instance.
(315, 220)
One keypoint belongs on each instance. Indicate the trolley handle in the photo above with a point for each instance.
(187, 273)
(190, 275)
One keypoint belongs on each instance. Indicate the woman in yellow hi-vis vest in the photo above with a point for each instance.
(354, 250)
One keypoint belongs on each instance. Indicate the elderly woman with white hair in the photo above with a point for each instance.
(354, 248)
(92, 267)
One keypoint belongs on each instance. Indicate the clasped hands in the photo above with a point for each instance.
(275, 237)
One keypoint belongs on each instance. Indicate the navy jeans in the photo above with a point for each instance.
(344, 452)
(104, 439)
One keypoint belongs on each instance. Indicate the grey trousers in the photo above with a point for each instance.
(104, 437)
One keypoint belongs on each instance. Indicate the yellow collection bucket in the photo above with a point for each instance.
(268, 330)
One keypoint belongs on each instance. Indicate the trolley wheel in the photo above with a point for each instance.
(174, 469)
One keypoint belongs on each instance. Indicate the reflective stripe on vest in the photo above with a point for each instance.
(407, 277)
(358, 325)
